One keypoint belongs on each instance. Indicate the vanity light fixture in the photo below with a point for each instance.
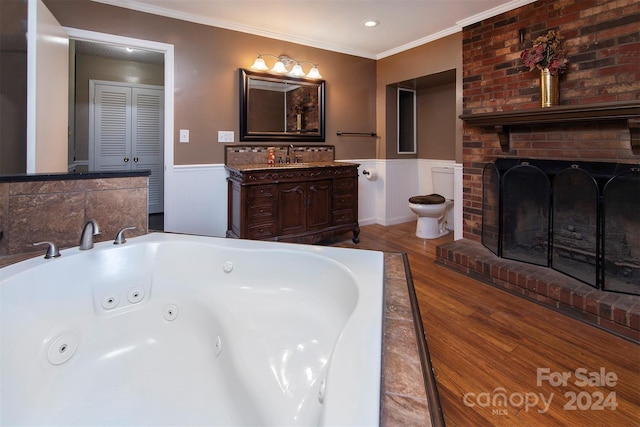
(259, 64)
(282, 66)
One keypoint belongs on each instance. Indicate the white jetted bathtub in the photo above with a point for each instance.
(182, 330)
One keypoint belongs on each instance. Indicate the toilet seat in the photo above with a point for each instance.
(431, 199)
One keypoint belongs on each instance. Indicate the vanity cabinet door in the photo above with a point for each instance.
(291, 208)
(304, 206)
(319, 205)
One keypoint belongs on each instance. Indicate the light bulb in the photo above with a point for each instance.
(279, 67)
(259, 64)
(314, 73)
(297, 71)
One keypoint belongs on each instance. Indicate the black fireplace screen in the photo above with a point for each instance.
(525, 213)
(575, 225)
(582, 219)
(621, 233)
(491, 208)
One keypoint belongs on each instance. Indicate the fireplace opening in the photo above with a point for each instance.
(621, 233)
(579, 218)
(525, 231)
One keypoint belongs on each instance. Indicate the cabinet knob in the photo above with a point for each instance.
(126, 159)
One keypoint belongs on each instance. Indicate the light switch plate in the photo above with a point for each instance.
(225, 136)
(184, 135)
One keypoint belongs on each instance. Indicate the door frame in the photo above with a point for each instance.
(168, 51)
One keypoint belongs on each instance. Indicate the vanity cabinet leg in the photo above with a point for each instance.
(356, 233)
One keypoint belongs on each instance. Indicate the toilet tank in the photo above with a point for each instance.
(443, 182)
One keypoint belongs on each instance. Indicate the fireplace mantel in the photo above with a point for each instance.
(501, 121)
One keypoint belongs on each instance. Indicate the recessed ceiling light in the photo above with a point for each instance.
(371, 23)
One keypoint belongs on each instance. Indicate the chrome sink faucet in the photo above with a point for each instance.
(289, 151)
(86, 238)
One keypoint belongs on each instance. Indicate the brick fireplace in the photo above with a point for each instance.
(598, 121)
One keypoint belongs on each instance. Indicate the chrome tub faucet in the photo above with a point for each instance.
(86, 238)
(52, 249)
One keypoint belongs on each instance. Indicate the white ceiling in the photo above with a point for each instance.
(333, 24)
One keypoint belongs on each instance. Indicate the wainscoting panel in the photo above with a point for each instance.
(199, 202)
(401, 183)
(370, 192)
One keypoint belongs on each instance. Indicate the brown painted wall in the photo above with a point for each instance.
(13, 87)
(437, 118)
(432, 58)
(602, 42)
(206, 78)
(13, 110)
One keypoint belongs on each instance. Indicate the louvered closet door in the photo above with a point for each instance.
(112, 128)
(129, 134)
(148, 141)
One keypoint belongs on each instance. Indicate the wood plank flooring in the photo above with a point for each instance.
(487, 347)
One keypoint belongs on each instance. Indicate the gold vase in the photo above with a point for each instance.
(548, 88)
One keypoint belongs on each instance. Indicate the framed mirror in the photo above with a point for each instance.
(277, 108)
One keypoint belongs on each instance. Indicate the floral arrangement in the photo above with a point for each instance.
(546, 52)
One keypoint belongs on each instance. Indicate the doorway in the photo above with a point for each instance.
(167, 50)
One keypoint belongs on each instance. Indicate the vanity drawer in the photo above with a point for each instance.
(262, 231)
(263, 210)
(341, 201)
(344, 185)
(344, 216)
(262, 191)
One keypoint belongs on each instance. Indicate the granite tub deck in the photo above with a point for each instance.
(408, 390)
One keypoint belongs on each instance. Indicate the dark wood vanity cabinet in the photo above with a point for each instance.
(302, 204)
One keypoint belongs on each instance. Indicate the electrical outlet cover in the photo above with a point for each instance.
(225, 136)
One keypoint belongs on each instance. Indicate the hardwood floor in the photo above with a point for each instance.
(489, 347)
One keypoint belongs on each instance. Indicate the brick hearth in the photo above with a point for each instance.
(614, 312)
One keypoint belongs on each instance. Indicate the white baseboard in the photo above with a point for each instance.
(399, 220)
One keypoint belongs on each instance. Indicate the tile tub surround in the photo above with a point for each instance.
(613, 312)
(55, 207)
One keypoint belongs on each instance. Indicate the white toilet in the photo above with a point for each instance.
(434, 211)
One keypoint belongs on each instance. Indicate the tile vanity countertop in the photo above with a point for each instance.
(73, 176)
(261, 167)
(408, 390)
